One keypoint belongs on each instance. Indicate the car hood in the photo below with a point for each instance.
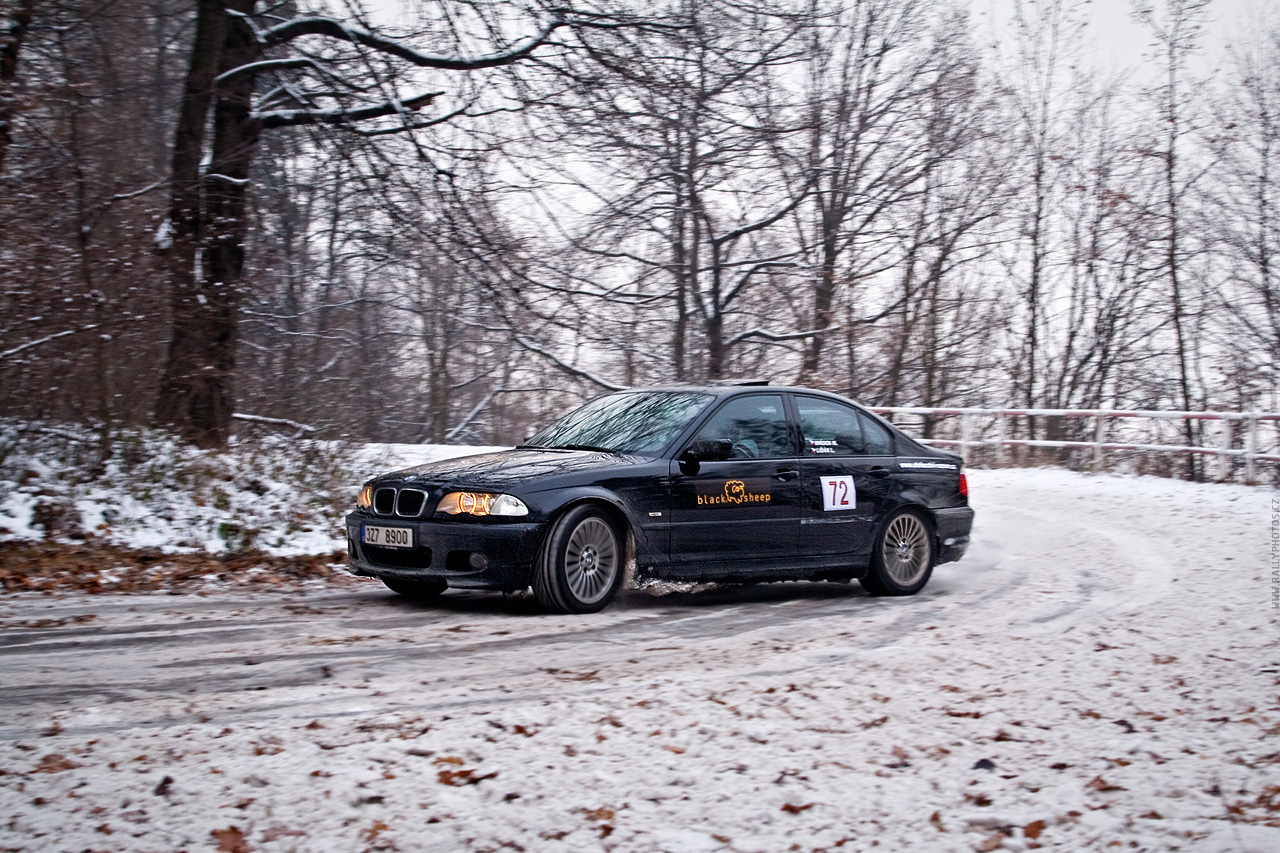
(507, 469)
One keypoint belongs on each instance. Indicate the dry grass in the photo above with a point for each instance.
(96, 567)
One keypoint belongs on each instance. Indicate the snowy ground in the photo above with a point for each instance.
(1102, 670)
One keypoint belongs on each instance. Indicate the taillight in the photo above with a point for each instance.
(964, 485)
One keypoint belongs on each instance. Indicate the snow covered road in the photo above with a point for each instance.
(1103, 669)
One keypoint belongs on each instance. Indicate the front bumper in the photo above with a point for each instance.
(953, 527)
(476, 555)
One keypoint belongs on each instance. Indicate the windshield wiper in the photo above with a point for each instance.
(590, 447)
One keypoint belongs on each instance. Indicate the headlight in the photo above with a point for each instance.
(481, 503)
(365, 500)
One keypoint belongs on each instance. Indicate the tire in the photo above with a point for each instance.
(903, 557)
(581, 563)
(417, 589)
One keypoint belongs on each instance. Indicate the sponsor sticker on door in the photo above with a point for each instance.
(838, 493)
(732, 493)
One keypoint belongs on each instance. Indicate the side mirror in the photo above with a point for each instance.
(712, 450)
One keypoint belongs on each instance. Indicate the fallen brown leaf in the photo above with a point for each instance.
(458, 778)
(55, 763)
(992, 843)
(1100, 784)
(280, 832)
(231, 840)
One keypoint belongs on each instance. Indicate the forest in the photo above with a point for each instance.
(451, 223)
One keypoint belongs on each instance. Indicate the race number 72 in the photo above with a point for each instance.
(838, 493)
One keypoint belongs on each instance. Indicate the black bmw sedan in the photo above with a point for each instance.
(734, 484)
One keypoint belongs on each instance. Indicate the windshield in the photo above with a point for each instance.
(631, 422)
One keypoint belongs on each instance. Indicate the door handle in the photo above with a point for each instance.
(879, 471)
(786, 474)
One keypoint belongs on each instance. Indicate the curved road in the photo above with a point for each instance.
(1103, 666)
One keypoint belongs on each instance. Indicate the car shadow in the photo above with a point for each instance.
(464, 602)
(725, 595)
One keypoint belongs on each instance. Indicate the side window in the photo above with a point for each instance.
(834, 429)
(755, 426)
(877, 440)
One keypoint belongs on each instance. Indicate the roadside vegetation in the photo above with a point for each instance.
(147, 512)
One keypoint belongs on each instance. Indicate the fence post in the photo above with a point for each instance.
(1099, 433)
(1251, 450)
(965, 435)
(1000, 427)
(1224, 452)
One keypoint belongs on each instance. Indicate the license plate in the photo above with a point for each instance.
(387, 537)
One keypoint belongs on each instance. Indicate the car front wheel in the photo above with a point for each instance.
(903, 558)
(581, 564)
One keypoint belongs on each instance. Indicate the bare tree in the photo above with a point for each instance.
(325, 72)
(76, 203)
(1243, 213)
(674, 133)
(867, 78)
(1176, 28)
(941, 323)
(1043, 91)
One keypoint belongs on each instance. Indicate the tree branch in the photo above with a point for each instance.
(335, 29)
(269, 65)
(567, 368)
(773, 336)
(295, 118)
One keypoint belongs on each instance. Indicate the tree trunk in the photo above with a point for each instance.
(715, 346)
(823, 299)
(10, 47)
(178, 389)
(209, 228)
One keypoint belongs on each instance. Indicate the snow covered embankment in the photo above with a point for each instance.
(262, 499)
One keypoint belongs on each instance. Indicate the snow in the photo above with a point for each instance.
(282, 498)
(164, 235)
(16, 510)
(1101, 670)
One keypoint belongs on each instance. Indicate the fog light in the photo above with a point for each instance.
(478, 561)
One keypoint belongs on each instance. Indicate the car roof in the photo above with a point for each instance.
(741, 388)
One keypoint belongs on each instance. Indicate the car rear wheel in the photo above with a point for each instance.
(580, 566)
(416, 589)
(903, 558)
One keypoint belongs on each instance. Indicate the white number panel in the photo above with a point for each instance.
(838, 493)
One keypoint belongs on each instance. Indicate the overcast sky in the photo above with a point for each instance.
(1120, 42)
